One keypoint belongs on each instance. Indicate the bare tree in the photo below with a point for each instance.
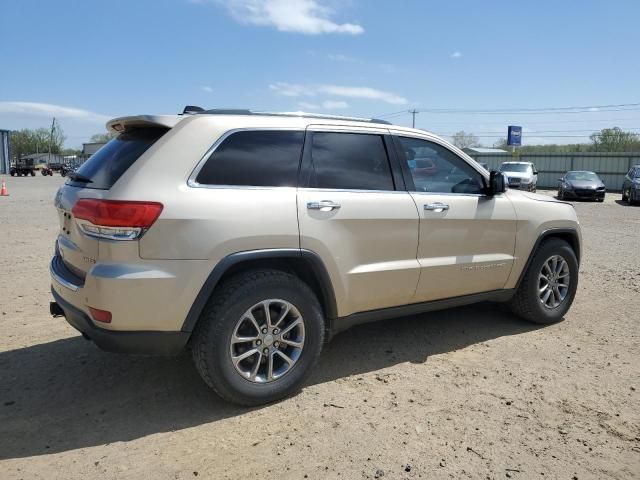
(463, 139)
(103, 137)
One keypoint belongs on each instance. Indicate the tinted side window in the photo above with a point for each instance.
(255, 158)
(108, 164)
(349, 161)
(434, 168)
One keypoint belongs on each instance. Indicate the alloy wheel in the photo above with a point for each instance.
(553, 281)
(267, 341)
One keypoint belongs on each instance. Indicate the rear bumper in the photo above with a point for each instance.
(138, 342)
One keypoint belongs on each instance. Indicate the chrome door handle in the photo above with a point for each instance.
(323, 205)
(436, 207)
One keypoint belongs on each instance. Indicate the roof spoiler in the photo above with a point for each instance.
(121, 124)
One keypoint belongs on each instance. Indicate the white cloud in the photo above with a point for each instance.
(339, 57)
(456, 54)
(49, 110)
(297, 90)
(207, 89)
(292, 89)
(309, 17)
(362, 92)
(334, 104)
(309, 106)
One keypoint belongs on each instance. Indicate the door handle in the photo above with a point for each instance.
(323, 205)
(436, 207)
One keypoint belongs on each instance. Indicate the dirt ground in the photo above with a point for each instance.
(467, 393)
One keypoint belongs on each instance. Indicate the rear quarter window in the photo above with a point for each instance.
(260, 158)
(108, 164)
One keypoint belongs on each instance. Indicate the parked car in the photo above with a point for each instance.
(631, 186)
(521, 175)
(273, 232)
(581, 185)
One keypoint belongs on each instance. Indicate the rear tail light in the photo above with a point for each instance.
(115, 219)
(100, 315)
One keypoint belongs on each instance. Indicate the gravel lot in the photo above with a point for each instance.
(466, 393)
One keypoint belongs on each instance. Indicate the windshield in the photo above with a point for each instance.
(583, 176)
(515, 167)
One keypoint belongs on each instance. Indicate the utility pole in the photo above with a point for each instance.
(53, 126)
(413, 113)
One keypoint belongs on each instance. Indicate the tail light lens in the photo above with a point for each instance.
(115, 219)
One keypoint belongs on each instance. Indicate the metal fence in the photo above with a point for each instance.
(611, 167)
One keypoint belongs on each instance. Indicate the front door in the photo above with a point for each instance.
(467, 239)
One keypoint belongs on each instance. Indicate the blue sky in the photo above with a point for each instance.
(87, 61)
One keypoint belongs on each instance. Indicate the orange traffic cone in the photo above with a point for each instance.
(3, 190)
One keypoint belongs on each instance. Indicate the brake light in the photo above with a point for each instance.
(116, 219)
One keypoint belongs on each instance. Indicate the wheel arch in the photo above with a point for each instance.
(305, 264)
(569, 235)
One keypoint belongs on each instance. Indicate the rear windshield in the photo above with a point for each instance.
(108, 164)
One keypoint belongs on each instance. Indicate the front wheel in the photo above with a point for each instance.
(258, 338)
(549, 285)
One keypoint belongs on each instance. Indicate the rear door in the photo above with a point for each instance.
(356, 214)
(93, 179)
(467, 239)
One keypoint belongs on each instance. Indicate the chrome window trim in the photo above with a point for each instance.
(191, 180)
(350, 190)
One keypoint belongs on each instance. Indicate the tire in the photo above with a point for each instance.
(33, 173)
(223, 316)
(631, 198)
(560, 194)
(624, 197)
(13, 174)
(527, 303)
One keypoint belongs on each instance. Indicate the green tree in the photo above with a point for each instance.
(28, 141)
(103, 137)
(615, 140)
(463, 139)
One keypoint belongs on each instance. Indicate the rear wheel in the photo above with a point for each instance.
(258, 338)
(549, 284)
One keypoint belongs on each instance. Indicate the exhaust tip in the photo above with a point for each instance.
(55, 310)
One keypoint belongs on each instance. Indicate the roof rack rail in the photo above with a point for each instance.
(222, 111)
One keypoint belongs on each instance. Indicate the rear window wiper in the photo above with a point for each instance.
(76, 177)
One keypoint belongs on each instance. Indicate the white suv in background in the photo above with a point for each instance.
(521, 175)
(252, 238)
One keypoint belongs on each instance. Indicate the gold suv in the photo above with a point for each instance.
(251, 238)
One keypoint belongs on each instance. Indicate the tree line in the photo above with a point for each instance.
(606, 140)
(28, 141)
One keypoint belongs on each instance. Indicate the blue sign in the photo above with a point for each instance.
(514, 136)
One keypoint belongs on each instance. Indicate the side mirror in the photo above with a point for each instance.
(535, 172)
(496, 183)
(560, 179)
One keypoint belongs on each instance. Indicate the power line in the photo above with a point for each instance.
(620, 107)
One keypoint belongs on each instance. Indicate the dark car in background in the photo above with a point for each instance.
(631, 186)
(581, 185)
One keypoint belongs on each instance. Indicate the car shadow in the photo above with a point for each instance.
(67, 394)
(623, 203)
